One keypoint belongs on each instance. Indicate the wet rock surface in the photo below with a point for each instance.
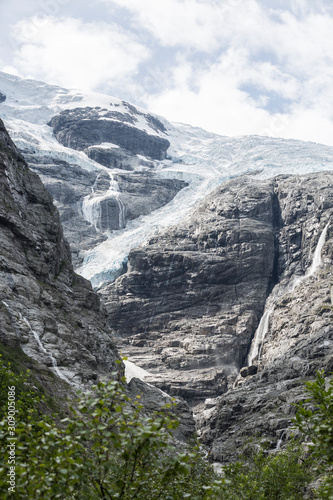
(192, 298)
(45, 308)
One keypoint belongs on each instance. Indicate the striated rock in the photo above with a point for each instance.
(45, 308)
(192, 298)
(190, 302)
(142, 193)
(84, 127)
(154, 400)
(89, 208)
(299, 339)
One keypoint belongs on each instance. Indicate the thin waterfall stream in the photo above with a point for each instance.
(49, 354)
(261, 332)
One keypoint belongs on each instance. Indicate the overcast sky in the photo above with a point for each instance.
(230, 66)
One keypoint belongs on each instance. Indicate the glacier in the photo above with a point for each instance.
(203, 159)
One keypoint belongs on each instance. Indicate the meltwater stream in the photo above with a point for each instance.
(49, 354)
(277, 293)
(92, 205)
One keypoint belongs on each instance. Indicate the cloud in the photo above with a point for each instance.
(69, 52)
(231, 66)
(270, 66)
(193, 24)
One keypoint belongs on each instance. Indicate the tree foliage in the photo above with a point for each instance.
(108, 449)
(314, 418)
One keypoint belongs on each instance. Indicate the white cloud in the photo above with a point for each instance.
(218, 104)
(263, 52)
(231, 66)
(193, 24)
(71, 53)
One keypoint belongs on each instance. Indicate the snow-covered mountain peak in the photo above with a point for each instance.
(162, 169)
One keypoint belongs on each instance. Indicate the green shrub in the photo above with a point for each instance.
(279, 476)
(314, 418)
(107, 450)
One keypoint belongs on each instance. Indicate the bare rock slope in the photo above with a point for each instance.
(45, 308)
(189, 305)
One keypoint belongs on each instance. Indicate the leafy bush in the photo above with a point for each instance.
(314, 418)
(280, 476)
(107, 450)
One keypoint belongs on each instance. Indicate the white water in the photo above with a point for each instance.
(49, 354)
(317, 259)
(259, 336)
(280, 441)
(134, 371)
(91, 205)
(277, 293)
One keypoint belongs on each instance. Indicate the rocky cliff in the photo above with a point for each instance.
(45, 308)
(298, 337)
(190, 303)
(83, 128)
(102, 199)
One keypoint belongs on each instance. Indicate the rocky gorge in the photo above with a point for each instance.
(48, 311)
(190, 303)
(212, 259)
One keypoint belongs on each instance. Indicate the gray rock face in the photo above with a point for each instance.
(190, 303)
(192, 298)
(299, 342)
(144, 192)
(74, 189)
(84, 127)
(154, 400)
(2, 97)
(45, 308)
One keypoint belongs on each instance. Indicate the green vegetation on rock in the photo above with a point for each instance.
(107, 449)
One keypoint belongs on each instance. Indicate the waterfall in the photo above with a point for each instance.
(278, 444)
(134, 371)
(122, 219)
(49, 354)
(317, 259)
(261, 332)
(259, 336)
(92, 204)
